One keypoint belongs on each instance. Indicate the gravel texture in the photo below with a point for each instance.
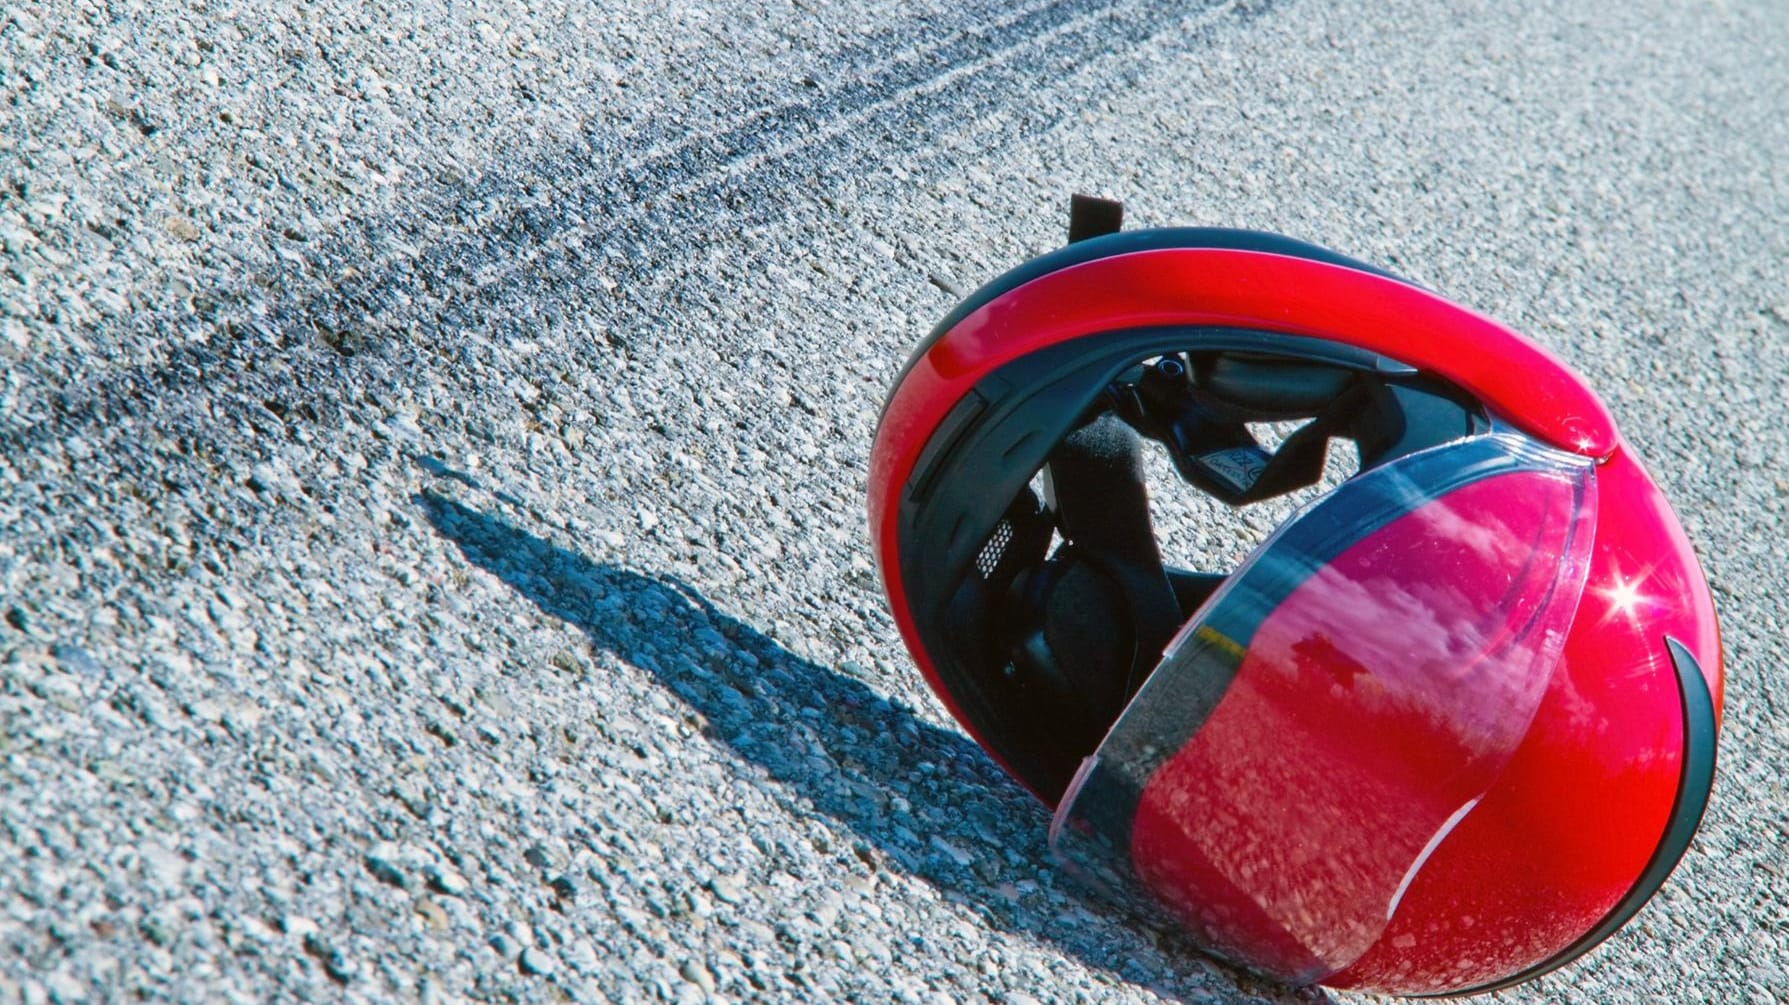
(432, 448)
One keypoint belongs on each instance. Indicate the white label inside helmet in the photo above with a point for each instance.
(1235, 467)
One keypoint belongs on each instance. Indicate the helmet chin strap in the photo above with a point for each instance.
(1094, 486)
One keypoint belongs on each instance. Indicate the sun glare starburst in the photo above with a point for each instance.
(1627, 597)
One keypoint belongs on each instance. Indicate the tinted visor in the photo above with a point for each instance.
(1339, 706)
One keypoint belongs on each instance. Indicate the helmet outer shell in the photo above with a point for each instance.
(1570, 823)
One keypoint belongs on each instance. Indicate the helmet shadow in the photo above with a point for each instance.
(958, 831)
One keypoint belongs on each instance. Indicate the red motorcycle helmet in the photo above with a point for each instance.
(1450, 726)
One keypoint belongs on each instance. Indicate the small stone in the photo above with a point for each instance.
(955, 854)
(872, 947)
(536, 962)
(381, 863)
(182, 229)
(335, 964)
(581, 956)
(445, 880)
(696, 973)
(156, 929)
(299, 925)
(414, 800)
(565, 886)
(728, 888)
(433, 913)
(76, 659)
(538, 856)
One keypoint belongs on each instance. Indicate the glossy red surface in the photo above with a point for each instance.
(1373, 708)
(1579, 809)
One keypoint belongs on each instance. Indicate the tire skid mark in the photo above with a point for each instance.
(553, 215)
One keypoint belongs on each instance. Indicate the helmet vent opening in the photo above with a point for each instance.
(988, 561)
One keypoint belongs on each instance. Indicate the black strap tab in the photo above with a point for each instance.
(1090, 216)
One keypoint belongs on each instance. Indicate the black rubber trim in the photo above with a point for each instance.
(926, 467)
(1124, 243)
(1693, 788)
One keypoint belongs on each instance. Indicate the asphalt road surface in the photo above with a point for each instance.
(433, 436)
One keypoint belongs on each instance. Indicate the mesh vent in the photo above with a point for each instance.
(991, 553)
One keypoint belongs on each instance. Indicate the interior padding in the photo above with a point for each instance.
(1264, 388)
(1094, 483)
